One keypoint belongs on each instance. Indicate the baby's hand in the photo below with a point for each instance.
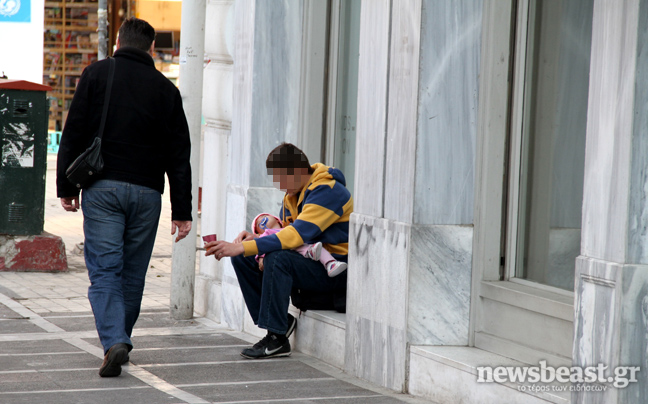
(261, 264)
(244, 236)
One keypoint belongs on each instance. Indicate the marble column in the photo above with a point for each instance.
(217, 113)
(411, 233)
(611, 286)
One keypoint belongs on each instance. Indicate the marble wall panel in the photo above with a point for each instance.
(401, 122)
(638, 220)
(207, 298)
(214, 191)
(260, 200)
(218, 21)
(378, 352)
(217, 93)
(321, 339)
(214, 184)
(277, 72)
(372, 106)
(243, 76)
(377, 300)
(447, 111)
(609, 130)
(209, 267)
(611, 320)
(201, 297)
(236, 219)
(440, 268)
(233, 309)
(232, 304)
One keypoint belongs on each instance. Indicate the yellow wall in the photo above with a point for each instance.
(162, 15)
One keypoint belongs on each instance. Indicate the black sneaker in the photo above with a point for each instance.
(271, 346)
(292, 324)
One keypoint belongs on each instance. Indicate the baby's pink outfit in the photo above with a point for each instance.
(325, 256)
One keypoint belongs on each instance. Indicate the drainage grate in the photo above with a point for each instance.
(16, 212)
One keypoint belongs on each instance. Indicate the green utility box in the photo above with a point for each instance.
(23, 156)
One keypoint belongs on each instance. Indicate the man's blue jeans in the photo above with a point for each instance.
(120, 222)
(267, 293)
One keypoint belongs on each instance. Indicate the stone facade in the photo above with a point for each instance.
(431, 151)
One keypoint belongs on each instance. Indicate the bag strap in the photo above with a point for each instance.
(111, 74)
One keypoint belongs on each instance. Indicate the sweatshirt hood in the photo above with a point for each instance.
(323, 172)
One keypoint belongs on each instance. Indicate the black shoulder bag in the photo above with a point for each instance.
(84, 170)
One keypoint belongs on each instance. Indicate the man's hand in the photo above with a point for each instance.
(183, 226)
(244, 236)
(70, 203)
(220, 249)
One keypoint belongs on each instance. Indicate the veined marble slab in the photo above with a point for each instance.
(372, 106)
(610, 130)
(376, 345)
(275, 89)
(447, 111)
(439, 285)
(262, 200)
(400, 146)
(638, 217)
(611, 325)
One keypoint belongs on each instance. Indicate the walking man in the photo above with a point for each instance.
(145, 136)
(316, 208)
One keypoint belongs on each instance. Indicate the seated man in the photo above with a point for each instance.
(316, 208)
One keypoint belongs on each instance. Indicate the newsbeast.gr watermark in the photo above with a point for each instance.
(578, 376)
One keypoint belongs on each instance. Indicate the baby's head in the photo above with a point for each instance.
(265, 221)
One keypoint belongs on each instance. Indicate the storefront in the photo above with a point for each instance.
(497, 156)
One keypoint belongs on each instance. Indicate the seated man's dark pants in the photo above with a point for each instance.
(267, 292)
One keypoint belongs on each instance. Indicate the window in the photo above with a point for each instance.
(550, 159)
(531, 144)
(329, 87)
(343, 87)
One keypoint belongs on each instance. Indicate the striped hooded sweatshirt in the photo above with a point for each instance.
(320, 212)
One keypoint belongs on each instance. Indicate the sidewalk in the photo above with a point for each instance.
(50, 352)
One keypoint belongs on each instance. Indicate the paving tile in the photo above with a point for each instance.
(7, 314)
(305, 390)
(50, 346)
(242, 371)
(143, 395)
(175, 355)
(48, 361)
(188, 340)
(18, 326)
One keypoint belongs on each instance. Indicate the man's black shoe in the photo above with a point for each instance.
(113, 360)
(271, 346)
(292, 324)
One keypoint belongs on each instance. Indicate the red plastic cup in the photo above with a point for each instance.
(209, 238)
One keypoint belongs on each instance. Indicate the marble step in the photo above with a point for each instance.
(448, 374)
(321, 333)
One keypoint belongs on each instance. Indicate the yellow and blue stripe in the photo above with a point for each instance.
(321, 212)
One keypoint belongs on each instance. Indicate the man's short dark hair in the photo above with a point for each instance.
(287, 156)
(136, 33)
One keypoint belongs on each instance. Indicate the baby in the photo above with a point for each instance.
(265, 224)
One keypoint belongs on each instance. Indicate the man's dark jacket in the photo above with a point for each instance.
(146, 131)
